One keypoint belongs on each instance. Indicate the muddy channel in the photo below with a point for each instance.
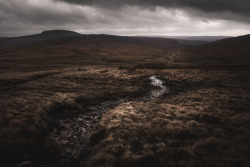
(71, 134)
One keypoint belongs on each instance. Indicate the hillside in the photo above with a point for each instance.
(61, 47)
(229, 51)
(205, 38)
(45, 35)
(87, 49)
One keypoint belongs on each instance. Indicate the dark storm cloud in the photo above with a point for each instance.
(235, 6)
(125, 17)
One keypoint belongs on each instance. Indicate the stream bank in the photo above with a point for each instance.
(71, 134)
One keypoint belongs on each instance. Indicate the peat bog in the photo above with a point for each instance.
(203, 120)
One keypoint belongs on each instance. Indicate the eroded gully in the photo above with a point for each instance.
(71, 134)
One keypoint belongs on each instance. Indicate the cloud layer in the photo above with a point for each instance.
(125, 17)
(239, 6)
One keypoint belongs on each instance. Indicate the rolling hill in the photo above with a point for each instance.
(69, 47)
(61, 47)
(197, 40)
(204, 38)
(234, 50)
(45, 35)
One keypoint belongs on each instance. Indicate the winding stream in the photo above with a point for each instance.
(71, 134)
(158, 83)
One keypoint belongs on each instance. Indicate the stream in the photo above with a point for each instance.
(71, 134)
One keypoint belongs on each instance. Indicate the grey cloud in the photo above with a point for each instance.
(234, 6)
(126, 18)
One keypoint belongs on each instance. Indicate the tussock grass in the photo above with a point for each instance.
(202, 122)
(31, 101)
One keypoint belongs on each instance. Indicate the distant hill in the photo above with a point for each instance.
(198, 40)
(70, 47)
(195, 40)
(46, 35)
(65, 47)
(205, 38)
(59, 33)
(192, 42)
(230, 50)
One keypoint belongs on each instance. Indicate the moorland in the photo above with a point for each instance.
(61, 92)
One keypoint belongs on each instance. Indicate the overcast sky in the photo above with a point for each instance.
(126, 17)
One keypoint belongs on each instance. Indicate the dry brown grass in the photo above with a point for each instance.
(202, 122)
(227, 51)
(89, 49)
(30, 101)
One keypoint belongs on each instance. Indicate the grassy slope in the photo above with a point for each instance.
(90, 49)
(230, 51)
(202, 122)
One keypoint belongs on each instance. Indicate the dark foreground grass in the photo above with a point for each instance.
(202, 121)
(30, 102)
